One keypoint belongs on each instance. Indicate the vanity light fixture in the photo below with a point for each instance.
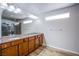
(59, 16)
(37, 21)
(11, 8)
(3, 5)
(27, 21)
(33, 16)
(17, 23)
(17, 10)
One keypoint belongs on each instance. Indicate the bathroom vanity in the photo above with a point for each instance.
(21, 45)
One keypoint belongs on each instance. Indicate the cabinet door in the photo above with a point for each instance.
(10, 51)
(0, 50)
(23, 49)
(0, 53)
(41, 39)
(36, 42)
(20, 49)
(31, 43)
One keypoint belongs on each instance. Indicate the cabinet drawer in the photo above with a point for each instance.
(5, 45)
(26, 39)
(39, 36)
(32, 37)
(17, 42)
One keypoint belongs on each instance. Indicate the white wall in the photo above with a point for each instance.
(62, 33)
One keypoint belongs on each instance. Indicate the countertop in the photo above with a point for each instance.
(17, 37)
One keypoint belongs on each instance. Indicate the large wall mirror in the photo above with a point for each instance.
(10, 26)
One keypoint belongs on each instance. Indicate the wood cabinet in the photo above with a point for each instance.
(31, 43)
(10, 51)
(22, 46)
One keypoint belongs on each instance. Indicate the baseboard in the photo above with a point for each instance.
(61, 50)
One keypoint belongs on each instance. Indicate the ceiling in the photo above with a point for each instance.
(38, 9)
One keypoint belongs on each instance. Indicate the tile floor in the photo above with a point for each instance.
(44, 51)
